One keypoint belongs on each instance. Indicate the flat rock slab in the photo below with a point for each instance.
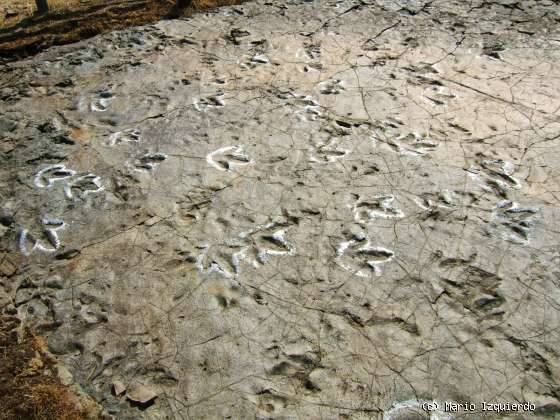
(329, 209)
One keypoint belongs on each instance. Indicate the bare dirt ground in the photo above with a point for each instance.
(22, 32)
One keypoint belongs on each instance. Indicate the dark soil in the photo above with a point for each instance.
(29, 386)
(33, 34)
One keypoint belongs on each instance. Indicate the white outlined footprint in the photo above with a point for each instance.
(378, 207)
(46, 177)
(518, 220)
(149, 161)
(102, 103)
(361, 258)
(256, 60)
(50, 228)
(430, 201)
(208, 266)
(410, 143)
(496, 176)
(255, 247)
(503, 170)
(308, 108)
(414, 144)
(331, 87)
(130, 135)
(85, 184)
(261, 243)
(228, 158)
(327, 153)
(268, 240)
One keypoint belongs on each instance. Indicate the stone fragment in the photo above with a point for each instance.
(7, 125)
(140, 394)
(7, 268)
(118, 388)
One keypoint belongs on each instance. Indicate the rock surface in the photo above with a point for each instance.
(329, 209)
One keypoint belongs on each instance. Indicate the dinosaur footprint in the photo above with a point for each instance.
(362, 259)
(127, 136)
(432, 201)
(209, 261)
(406, 144)
(503, 170)
(271, 241)
(517, 220)
(331, 87)
(228, 158)
(263, 242)
(380, 206)
(438, 95)
(29, 243)
(327, 154)
(82, 186)
(256, 60)
(46, 177)
(495, 175)
(415, 144)
(209, 102)
(327, 151)
(307, 108)
(101, 104)
(148, 162)
(312, 51)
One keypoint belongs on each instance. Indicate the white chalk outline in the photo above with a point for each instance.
(507, 169)
(512, 207)
(118, 137)
(375, 265)
(51, 234)
(101, 104)
(385, 201)
(149, 166)
(50, 181)
(245, 241)
(94, 179)
(238, 151)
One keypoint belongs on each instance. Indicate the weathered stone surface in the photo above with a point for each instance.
(329, 209)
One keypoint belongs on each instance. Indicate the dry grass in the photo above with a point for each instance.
(27, 7)
(29, 386)
(73, 20)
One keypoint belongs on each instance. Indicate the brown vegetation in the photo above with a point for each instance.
(29, 385)
(72, 20)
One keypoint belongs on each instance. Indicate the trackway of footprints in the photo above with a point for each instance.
(513, 221)
(402, 142)
(357, 255)
(75, 188)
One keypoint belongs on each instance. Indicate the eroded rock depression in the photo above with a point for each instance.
(328, 209)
